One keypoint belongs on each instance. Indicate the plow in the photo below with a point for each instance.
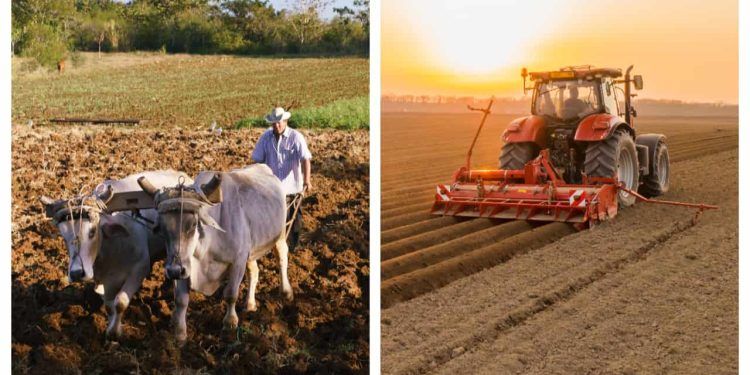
(573, 160)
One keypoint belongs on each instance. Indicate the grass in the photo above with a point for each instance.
(343, 114)
(189, 91)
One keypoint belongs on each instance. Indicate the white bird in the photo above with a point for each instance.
(213, 126)
(30, 123)
(217, 131)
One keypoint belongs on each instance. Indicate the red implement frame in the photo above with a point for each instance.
(536, 192)
(533, 193)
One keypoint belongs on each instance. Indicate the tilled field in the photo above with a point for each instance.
(630, 296)
(59, 327)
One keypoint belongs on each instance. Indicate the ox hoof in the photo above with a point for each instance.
(288, 295)
(251, 307)
(113, 335)
(231, 323)
(180, 337)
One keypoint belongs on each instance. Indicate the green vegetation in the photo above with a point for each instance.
(344, 114)
(48, 30)
(191, 91)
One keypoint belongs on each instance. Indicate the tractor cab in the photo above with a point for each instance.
(572, 93)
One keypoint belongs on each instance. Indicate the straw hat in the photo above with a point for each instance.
(278, 114)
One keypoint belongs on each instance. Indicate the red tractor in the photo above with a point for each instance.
(576, 158)
(578, 114)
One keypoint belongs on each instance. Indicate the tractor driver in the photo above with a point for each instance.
(573, 107)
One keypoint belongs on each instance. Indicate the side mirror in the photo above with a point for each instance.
(638, 82)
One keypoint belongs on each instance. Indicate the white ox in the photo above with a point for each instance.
(114, 250)
(246, 225)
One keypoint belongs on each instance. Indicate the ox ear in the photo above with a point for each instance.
(206, 219)
(113, 229)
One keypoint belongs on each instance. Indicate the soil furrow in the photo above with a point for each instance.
(437, 253)
(427, 239)
(423, 206)
(517, 317)
(408, 286)
(395, 234)
(395, 222)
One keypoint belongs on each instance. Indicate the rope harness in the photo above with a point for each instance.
(91, 206)
(183, 199)
(176, 256)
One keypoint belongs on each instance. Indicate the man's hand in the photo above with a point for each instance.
(307, 186)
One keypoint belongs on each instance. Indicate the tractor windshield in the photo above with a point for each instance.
(566, 100)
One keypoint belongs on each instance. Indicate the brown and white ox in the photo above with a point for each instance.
(115, 250)
(217, 228)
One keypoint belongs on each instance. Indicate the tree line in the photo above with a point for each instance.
(52, 30)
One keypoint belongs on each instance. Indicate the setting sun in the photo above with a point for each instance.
(477, 47)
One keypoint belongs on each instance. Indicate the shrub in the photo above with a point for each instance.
(343, 114)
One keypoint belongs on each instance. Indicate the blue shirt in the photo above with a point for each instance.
(284, 156)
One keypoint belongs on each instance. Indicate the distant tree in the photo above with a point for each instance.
(203, 26)
(259, 24)
(305, 20)
(43, 29)
(103, 26)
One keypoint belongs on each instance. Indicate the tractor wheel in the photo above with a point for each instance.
(657, 182)
(615, 156)
(516, 155)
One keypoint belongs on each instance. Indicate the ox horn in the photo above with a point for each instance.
(46, 200)
(107, 195)
(146, 186)
(49, 205)
(212, 189)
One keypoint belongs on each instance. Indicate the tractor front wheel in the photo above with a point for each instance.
(615, 156)
(516, 155)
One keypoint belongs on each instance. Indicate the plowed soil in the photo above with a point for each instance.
(58, 327)
(646, 293)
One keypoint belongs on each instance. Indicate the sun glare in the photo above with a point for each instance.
(478, 37)
(478, 47)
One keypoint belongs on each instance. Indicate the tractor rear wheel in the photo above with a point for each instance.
(516, 155)
(615, 156)
(657, 181)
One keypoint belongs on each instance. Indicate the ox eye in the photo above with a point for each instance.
(92, 232)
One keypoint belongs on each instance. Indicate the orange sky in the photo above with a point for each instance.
(684, 49)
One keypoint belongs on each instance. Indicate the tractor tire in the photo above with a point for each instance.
(657, 181)
(516, 155)
(615, 156)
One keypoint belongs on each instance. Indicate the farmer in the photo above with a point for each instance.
(285, 151)
(573, 107)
